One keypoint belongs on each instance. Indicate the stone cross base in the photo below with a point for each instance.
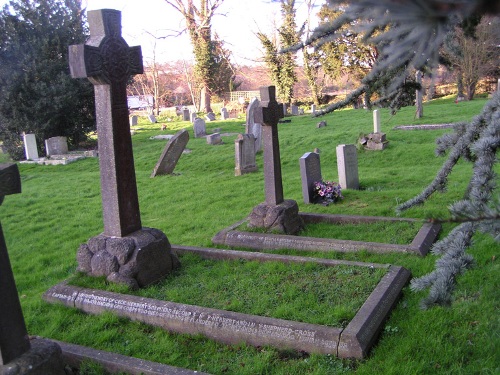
(44, 357)
(282, 218)
(374, 141)
(136, 260)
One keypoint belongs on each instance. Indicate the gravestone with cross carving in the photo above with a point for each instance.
(276, 213)
(126, 252)
(17, 355)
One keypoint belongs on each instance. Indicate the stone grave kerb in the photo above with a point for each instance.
(268, 114)
(108, 62)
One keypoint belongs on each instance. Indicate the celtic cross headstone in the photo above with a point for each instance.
(125, 252)
(108, 62)
(276, 213)
(268, 114)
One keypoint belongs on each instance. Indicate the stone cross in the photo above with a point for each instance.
(268, 114)
(108, 62)
(14, 340)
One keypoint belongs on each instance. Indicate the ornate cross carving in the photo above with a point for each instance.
(107, 61)
(268, 113)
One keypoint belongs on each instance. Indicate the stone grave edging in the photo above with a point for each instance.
(233, 328)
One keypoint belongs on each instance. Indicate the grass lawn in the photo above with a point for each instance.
(60, 208)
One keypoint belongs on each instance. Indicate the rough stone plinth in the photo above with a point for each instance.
(375, 141)
(282, 218)
(137, 260)
(43, 358)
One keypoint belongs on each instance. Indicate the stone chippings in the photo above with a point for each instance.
(282, 218)
(137, 260)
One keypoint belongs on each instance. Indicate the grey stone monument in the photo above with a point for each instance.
(295, 110)
(347, 165)
(253, 127)
(193, 116)
(126, 252)
(56, 146)
(210, 116)
(133, 120)
(30, 148)
(199, 128)
(310, 172)
(214, 139)
(152, 119)
(17, 355)
(419, 111)
(376, 140)
(275, 213)
(244, 154)
(185, 114)
(313, 109)
(224, 114)
(171, 153)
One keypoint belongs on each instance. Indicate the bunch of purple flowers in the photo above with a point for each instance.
(326, 192)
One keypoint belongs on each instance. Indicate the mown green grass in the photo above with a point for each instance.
(60, 208)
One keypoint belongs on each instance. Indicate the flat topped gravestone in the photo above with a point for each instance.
(56, 146)
(17, 355)
(125, 253)
(276, 213)
(171, 153)
(244, 151)
(30, 148)
(310, 172)
(347, 165)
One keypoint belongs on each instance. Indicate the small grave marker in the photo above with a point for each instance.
(244, 151)
(376, 121)
(224, 114)
(152, 119)
(214, 139)
(419, 111)
(347, 165)
(313, 109)
(253, 127)
(210, 116)
(56, 146)
(30, 148)
(133, 120)
(185, 114)
(295, 110)
(310, 172)
(199, 128)
(171, 154)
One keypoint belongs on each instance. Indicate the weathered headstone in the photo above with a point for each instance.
(185, 114)
(253, 127)
(310, 172)
(171, 153)
(30, 148)
(376, 121)
(321, 124)
(244, 154)
(125, 253)
(133, 120)
(199, 128)
(152, 119)
(347, 166)
(224, 114)
(284, 109)
(313, 109)
(419, 112)
(56, 146)
(17, 355)
(275, 213)
(295, 110)
(194, 116)
(210, 116)
(214, 139)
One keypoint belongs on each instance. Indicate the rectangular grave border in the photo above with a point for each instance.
(420, 245)
(353, 341)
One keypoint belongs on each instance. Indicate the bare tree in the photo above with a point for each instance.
(199, 26)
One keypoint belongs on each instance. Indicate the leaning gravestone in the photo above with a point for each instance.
(253, 127)
(126, 252)
(275, 213)
(171, 153)
(210, 116)
(17, 354)
(30, 148)
(347, 165)
(310, 172)
(199, 128)
(244, 154)
(56, 146)
(152, 119)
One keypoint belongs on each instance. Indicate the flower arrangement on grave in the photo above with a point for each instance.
(326, 192)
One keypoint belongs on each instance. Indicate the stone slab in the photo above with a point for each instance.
(347, 165)
(232, 237)
(56, 146)
(171, 154)
(30, 148)
(233, 328)
(73, 355)
(424, 127)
